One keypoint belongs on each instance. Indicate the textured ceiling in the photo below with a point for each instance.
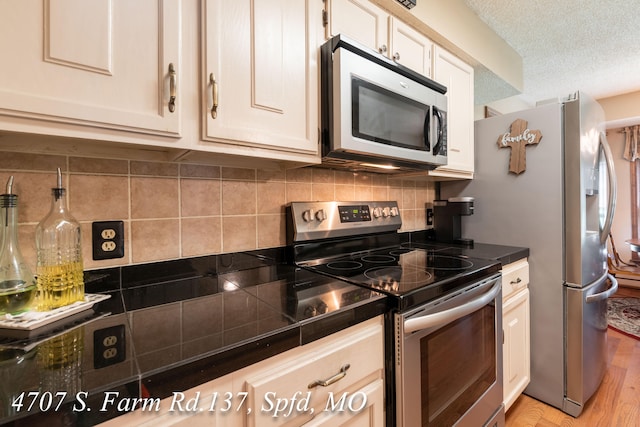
(569, 45)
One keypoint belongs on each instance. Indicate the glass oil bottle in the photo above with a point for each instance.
(17, 283)
(59, 267)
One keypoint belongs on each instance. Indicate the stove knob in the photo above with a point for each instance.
(386, 212)
(394, 211)
(307, 215)
(321, 215)
(322, 307)
(377, 212)
(310, 311)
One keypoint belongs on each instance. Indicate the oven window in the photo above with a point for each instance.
(383, 116)
(458, 366)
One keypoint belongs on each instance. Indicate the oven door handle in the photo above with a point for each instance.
(447, 316)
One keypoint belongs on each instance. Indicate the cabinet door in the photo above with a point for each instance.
(100, 63)
(181, 409)
(314, 376)
(457, 76)
(367, 410)
(516, 348)
(257, 68)
(360, 20)
(410, 48)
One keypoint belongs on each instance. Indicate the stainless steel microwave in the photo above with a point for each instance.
(379, 115)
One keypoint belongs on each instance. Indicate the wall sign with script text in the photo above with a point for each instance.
(518, 137)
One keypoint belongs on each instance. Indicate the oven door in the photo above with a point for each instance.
(449, 359)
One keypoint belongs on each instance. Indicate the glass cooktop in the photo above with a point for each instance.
(412, 273)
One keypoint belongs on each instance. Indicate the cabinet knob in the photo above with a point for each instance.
(383, 48)
(396, 57)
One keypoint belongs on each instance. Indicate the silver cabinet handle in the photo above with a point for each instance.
(396, 56)
(337, 377)
(173, 83)
(214, 96)
(383, 48)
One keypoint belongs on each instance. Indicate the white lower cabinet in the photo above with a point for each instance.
(334, 381)
(370, 410)
(337, 380)
(516, 327)
(180, 410)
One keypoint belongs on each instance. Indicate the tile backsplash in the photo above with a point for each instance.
(175, 210)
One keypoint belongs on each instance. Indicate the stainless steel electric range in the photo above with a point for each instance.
(444, 326)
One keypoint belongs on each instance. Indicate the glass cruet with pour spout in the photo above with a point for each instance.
(17, 283)
(59, 267)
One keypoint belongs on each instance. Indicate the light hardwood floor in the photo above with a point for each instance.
(615, 404)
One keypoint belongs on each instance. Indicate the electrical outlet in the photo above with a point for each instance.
(429, 216)
(107, 239)
(108, 234)
(109, 346)
(109, 246)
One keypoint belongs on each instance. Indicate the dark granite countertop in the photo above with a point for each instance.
(179, 324)
(504, 254)
(176, 324)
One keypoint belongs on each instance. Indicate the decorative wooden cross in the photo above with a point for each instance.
(517, 139)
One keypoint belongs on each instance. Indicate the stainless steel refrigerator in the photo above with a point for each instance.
(558, 199)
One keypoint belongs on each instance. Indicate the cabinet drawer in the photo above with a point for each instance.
(362, 352)
(515, 276)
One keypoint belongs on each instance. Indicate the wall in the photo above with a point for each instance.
(621, 229)
(173, 210)
(457, 28)
(622, 110)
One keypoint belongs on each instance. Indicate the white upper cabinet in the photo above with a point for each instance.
(360, 20)
(260, 74)
(457, 76)
(410, 48)
(105, 64)
(148, 72)
(375, 28)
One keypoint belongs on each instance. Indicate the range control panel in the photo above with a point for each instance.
(318, 220)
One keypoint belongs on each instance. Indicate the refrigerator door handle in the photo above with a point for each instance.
(606, 294)
(611, 204)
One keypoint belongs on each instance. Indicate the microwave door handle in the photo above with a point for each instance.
(427, 130)
(443, 317)
(438, 114)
